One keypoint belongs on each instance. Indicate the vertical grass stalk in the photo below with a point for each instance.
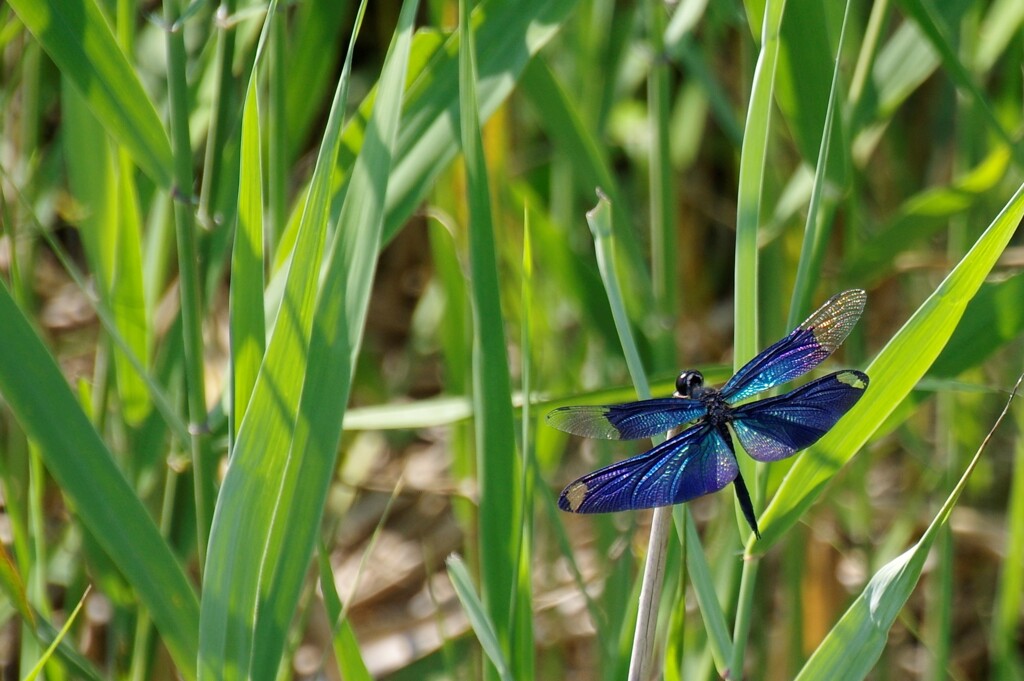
(188, 272)
(663, 234)
(748, 202)
(640, 660)
(492, 406)
(223, 114)
(521, 620)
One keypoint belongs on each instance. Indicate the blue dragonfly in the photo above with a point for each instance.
(702, 458)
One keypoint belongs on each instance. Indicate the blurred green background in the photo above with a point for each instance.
(288, 289)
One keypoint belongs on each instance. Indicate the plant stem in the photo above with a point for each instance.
(751, 183)
(224, 113)
(188, 271)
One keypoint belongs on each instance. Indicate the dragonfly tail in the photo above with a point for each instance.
(748, 508)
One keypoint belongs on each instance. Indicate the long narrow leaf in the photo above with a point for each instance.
(243, 517)
(854, 645)
(265, 577)
(248, 327)
(497, 469)
(110, 230)
(478, 617)
(73, 452)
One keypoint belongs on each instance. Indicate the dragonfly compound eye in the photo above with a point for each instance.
(689, 382)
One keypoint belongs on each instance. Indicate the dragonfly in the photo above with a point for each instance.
(701, 458)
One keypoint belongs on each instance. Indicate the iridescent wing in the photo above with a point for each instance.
(696, 462)
(777, 427)
(802, 350)
(628, 421)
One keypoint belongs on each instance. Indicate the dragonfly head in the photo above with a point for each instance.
(689, 383)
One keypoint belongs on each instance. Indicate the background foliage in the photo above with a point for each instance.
(277, 280)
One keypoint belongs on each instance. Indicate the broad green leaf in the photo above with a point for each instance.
(1000, 25)
(925, 214)
(74, 454)
(753, 159)
(893, 373)
(804, 81)
(902, 64)
(929, 19)
(76, 36)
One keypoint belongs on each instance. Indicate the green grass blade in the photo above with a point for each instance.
(291, 431)
(1006, 617)
(513, 31)
(894, 372)
(110, 229)
(316, 46)
(925, 214)
(753, 155)
(346, 647)
(497, 467)
(76, 36)
(806, 86)
(665, 275)
(884, 81)
(599, 219)
(854, 645)
(818, 226)
(851, 649)
(52, 648)
(248, 326)
(931, 26)
(342, 304)
(128, 296)
(564, 124)
(74, 454)
(749, 194)
(478, 617)
(74, 662)
(719, 638)
(234, 564)
(998, 28)
(522, 610)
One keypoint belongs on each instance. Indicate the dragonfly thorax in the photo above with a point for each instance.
(690, 384)
(719, 411)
